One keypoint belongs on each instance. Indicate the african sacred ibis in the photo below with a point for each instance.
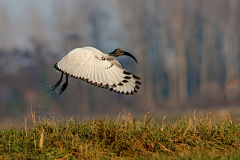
(98, 69)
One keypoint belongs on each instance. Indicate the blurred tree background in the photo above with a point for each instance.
(187, 51)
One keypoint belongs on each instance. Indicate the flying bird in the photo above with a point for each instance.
(99, 69)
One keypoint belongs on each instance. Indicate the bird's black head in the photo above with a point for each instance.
(119, 52)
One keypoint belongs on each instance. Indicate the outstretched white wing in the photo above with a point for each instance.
(89, 65)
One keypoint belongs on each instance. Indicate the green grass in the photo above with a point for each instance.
(123, 138)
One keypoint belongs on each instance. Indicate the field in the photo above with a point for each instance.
(124, 137)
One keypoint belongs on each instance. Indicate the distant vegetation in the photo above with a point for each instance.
(123, 137)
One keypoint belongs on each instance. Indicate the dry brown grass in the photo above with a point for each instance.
(123, 137)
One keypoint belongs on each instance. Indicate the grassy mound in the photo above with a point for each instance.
(123, 137)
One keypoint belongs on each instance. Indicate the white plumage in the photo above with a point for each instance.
(99, 69)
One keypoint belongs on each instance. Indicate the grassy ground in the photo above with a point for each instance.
(123, 138)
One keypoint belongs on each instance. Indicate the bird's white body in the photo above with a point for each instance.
(97, 68)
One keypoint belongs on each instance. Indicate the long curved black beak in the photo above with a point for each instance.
(130, 55)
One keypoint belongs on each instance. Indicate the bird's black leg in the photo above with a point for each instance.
(64, 86)
(57, 84)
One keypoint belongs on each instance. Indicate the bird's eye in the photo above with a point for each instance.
(103, 58)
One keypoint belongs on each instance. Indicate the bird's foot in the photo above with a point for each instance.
(56, 85)
(64, 86)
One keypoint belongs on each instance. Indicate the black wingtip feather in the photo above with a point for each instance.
(127, 77)
(136, 77)
(55, 66)
(137, 87)
(127, 73)
(106, 86)
(120, 84)
(138, 83)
